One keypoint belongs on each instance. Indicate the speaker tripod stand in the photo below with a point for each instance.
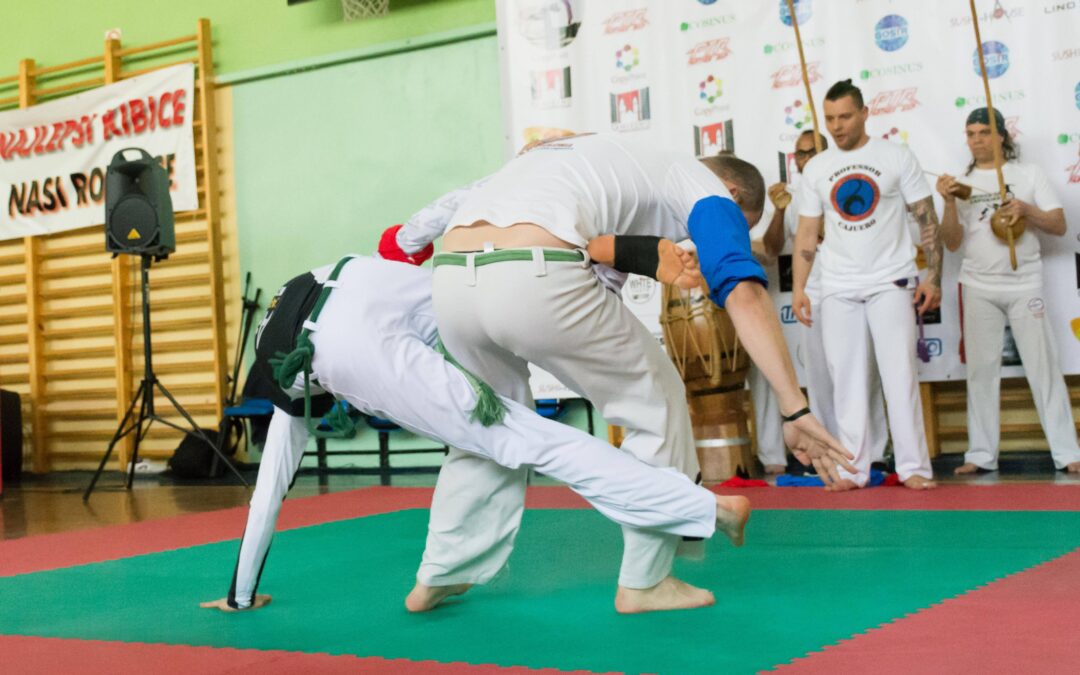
(140, 423)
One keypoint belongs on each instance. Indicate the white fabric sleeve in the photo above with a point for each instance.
(1045, 196)
(806, 197)
(429, 223)
(687, 182)
(284, 448)
(913, 184)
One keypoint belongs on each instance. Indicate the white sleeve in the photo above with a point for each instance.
(1045, 197)
(808, 199)
(429, 223)
(687, 182)
(913, 184)
(284, 448)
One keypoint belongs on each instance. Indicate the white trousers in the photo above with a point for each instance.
(876, 323)
(985, 316)
(496, 318)
(767, 420)
(819, 388)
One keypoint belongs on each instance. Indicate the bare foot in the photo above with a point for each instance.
(919, 483)
(842, 485)
(425, 598)
(666, 595)
(223, 604)
(775, 469)
(731, 516)
(965, 468)
(1073, 468)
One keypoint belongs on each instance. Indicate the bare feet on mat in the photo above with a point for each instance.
(223, 604)
(919, 483)
(1073, 468)
(425, 598)
(667, 595)
(775, 469)
(842, 485)
(965, 469)
(731, 516)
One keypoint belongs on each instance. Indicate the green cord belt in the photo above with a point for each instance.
(507, 255)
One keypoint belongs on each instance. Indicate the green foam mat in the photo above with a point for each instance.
(805, 579)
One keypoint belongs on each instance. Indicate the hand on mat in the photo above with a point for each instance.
(812, 444)
(678, 266)
(223, 604)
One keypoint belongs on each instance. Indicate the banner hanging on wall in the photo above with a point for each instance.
(707, 76)
(53, 156)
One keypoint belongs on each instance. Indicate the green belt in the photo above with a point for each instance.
(507, 255)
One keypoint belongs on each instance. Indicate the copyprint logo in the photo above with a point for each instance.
(896, 135)
(803, 12)
(714, 138)
(891, 32)
(797, 114)
(710, 89)
(997, 59)
(626, 58)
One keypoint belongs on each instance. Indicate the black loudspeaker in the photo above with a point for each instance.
(138, 208)
(11, 451)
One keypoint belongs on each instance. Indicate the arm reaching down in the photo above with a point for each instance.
(653, 257)
(928, 292)
(806, 243)
(413, 242)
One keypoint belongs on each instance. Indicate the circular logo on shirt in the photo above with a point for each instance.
(639, 289)
(855, 197)
(1037, 307)
(891, 32)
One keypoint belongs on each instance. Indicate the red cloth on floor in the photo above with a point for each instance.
(738, 482)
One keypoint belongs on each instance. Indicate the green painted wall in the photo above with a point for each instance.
(248, 34)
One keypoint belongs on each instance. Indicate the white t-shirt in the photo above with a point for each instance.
(863, 195)
(791, 224)
(986, 258)
(584, 187)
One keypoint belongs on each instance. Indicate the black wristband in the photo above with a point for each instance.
(796, 415)
(637, 254)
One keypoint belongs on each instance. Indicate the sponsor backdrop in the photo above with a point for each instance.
(713, 75)
(53, 155)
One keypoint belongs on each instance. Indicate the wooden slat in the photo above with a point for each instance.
(128, 51)
(97, 267)
(173, 368)
(176, 346)
(12, 299)
(82, 291)
(78, 353)
(82, 310)
(174, 325)
(142, 71)
(71, 86)
(89, 61)
(12, 319)
(79, 374)
(12, 359)
(12, 279)
(178, 281)
(81, 332)
(14, 339)
(12, 258)
(107, 414)
(109, 393)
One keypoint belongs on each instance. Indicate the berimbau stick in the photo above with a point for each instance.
(994, 136)
(805, 77)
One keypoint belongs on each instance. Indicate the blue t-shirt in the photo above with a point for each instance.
(721, 234)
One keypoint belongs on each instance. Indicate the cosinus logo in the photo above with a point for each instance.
(708, 51)
(899, 69)
(997, 59)
(1065, 139)
(787, 314)
(803, 11)
(1012, 95)
(708, 22)
(891, 32)
(781, 47)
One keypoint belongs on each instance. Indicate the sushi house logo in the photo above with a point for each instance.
(550, 88)
(630, 110)
(711, 139)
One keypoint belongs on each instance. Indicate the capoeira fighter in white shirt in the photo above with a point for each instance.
(519, 289)
(374, 347)
(994, 293)
(859, 191)
(819, 387)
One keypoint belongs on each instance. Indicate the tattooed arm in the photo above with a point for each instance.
(928, 293)
(806, 242)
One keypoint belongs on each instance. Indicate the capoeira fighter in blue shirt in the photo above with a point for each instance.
(517, 287)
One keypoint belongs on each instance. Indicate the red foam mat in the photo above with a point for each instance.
(1028, 622)
(25, 655)
(80, 547)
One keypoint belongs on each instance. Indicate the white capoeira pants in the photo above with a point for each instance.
(768, 421)
(819, 388)
(496, 318)
(876, 323)
(985, 316)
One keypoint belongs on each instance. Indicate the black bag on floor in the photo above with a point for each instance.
(194, 457)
